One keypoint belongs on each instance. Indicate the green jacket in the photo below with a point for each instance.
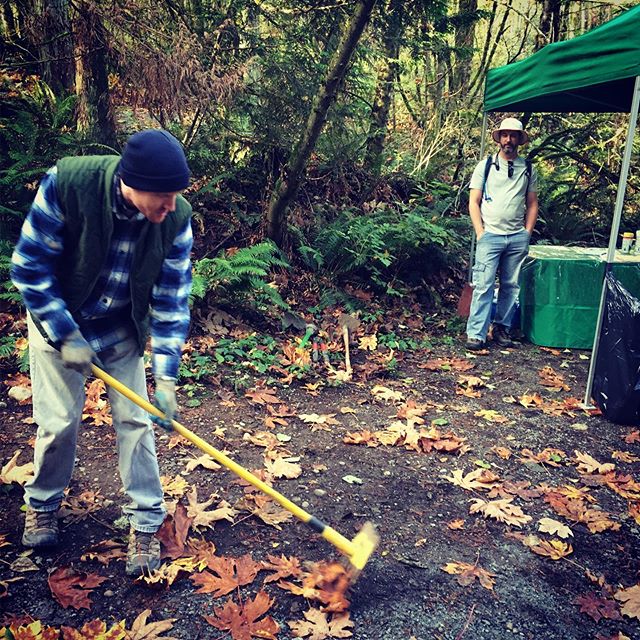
(85, 189)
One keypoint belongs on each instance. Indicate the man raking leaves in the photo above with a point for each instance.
(103, 259)
(358, 550)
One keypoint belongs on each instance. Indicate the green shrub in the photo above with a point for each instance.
(240, 275)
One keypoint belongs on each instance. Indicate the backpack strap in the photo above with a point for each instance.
(487, 167)
(527, 172)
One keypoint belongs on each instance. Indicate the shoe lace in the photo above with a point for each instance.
(142, 542)
(42, 519)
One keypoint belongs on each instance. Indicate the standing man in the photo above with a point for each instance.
(104, 257)
(503, 205)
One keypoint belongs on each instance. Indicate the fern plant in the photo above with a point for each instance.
(240, 274)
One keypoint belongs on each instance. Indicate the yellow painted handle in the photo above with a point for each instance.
(331, 535)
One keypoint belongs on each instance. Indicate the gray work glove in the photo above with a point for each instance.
(165, 399)
(77, 354)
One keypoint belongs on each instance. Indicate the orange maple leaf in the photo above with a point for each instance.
(72, 588)
(282, 567)
(173, 533)
(263, 395)
(244, 621)
(228, 574)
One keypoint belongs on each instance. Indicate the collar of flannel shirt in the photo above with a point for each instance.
(121, 209)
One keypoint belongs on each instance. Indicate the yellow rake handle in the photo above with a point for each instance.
(331, 535)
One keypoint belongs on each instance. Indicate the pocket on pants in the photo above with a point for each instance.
(480, 274)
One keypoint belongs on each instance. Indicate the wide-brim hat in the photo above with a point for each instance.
(511, 124)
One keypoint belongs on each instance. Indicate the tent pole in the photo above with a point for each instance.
(472, 248)
(613, 237)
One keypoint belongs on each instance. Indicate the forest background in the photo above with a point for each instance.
(331, 143)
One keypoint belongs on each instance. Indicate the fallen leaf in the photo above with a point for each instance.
(72, 588)
(243, 621)
(500, 510)
(141, 630)
(467, 573)
(13, 472)
(318, 626)
(549, 525)
(477, 479)
(349, 479)
(631, 599)
(226, 574)
(282, 567)
(282, 468)
(384, 393)
(597, 607)
(553, 549)
(205, 461)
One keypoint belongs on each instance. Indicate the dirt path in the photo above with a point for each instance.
(522, 446)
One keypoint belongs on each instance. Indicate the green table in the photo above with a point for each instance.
(560, 293)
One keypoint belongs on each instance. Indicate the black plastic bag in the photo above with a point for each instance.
(616, 382)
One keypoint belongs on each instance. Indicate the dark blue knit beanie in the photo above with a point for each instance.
(153, 160)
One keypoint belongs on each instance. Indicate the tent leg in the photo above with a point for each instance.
(613, 237)
(472, 246)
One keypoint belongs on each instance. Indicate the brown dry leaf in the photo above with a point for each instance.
(96, 407)
(491, 416)
(631, 599)
(264, 439)
(282, 567)
(368, 342)
(106, 551)
(244, 621)
(467, 573)
(263, 395)
(201, 518)
(447, 364)
(364, 437)
(228, 574)
(549, 378)
(174, 487)
(502, 452)
(553, 549)
(500, 510)
(140, 630)
(384, 393)
(597, 607)
(529, 400)
(625, 456)
(478, 479)
(13, 472)
(320, 421)
(632, 437)
(587, 464)
(205, 461)
(4, 585)
(283, 468)
(317, 625)
(634, 511)
(471, 382)
(552, 457)
(77, 508)
(456, 524)
(173, 532)
(553, 527)
(72, 588)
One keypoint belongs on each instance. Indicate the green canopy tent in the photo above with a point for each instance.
(599, 72)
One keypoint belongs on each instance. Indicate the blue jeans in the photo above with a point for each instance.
(58, 400)
(496, 253)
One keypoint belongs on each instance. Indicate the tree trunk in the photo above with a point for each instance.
(464, 41)
(94, 115)
(387, 73)
(287, 187)
(56, 49)
(549, 23)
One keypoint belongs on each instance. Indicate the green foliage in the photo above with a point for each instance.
(8, 351)
(240, 275)
(399, 343)
(391, 246)
(35, 130)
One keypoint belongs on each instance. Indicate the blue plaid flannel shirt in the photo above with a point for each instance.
(104, 319)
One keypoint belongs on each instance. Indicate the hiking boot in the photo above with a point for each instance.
(501, 336)
(474, 344)
(143, 553)
(40, 528)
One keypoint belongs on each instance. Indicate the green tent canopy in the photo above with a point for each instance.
(594, 72)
